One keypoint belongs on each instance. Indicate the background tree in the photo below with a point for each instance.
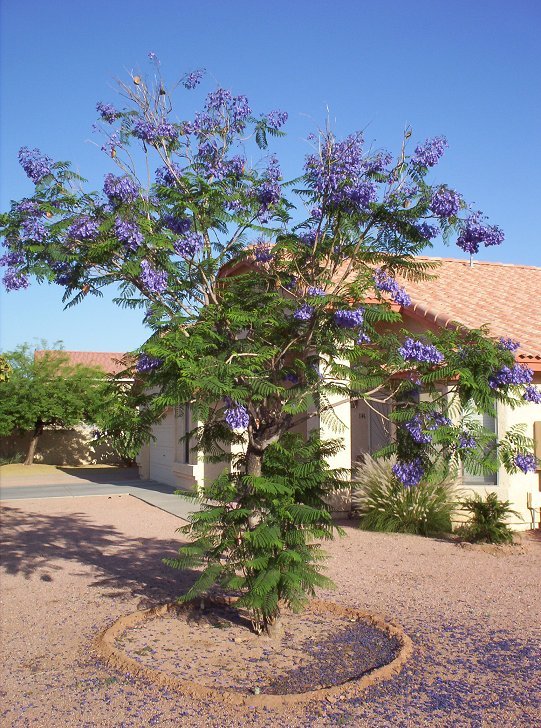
(47, 391)
(266, 300)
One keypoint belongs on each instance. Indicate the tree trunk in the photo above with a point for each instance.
(38, 430)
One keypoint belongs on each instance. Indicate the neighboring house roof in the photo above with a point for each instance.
(112, 362)
(505, 297)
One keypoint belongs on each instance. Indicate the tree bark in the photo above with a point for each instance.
(38, 430)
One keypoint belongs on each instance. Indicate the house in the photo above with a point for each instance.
(76, 445)
(506, 297)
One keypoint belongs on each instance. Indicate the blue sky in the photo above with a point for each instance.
(468, 69)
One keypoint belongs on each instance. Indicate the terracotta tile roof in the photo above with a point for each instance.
(112, 362)
(504, 296)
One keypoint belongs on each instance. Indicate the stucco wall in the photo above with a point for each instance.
(76, 446)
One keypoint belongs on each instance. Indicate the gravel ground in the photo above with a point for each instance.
(70, 567)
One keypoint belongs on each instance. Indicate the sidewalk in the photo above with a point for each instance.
(49, 481)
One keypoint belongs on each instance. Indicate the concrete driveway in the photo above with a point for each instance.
(57, 481)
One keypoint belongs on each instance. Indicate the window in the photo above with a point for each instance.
(183, 426)
(489, 423)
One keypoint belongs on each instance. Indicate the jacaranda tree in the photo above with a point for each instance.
(267, 299)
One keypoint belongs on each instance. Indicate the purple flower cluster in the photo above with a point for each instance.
(64, 273)
(409, 473)
(35, 164)
(415, 428)
(12, 257)
(508, 344)
(83, 228)
(237, 417)
(429, 153)
(28, 207)
(269, 191)
(338, 174)
(532, 394)
(526, 462)
(262, 251)
(378, 162)
(236, 107)
(474, 232)
(308, 237)
(291, 377)
(168, 176)
(189, 245)
(467, 441)
(193, 79)
(445, 202)
(507, 376)
(304, 313)
(120, 189)
(363, 338)
(128, 233)
(178, 225)
(14, 280)
(387, 283)
(107, 112)
(153, 133)
(276, 118)
(110, 145)
(33, 229)
(426, 231)
(155, 281)
(347, 319)
(147, 363)
(315, 291)
(413, 350)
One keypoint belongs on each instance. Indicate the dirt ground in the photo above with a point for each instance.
(71, 567)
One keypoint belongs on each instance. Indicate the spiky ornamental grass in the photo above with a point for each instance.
(241, 331)
(384, 504)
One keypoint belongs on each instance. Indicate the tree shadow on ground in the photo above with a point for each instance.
(110, 474)
(34, 543)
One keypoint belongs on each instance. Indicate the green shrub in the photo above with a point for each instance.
(487, 519)
(384, 504)
(18, 457)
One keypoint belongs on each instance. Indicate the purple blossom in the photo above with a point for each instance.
(467, 441)
(526, 462)
(14, 280)
(128, 233)
(147, 363)
(107, 112)
(193, 79)
(415, 429)
(223, 105)
(12, 258)
(426, 231)
(508, 344)
(315, 291)
(83, 228)
(474, 232)
(445, 202)
(435, 420)
(109, 146)
(178, 225)
(304, 313)
(29, 208)
(169, 176)
(35, 164)
(308, 237)
(429, 153)
(153, 133)
(276, 118)
(189, 245)
(338, 173)
(262, 251)
(155, 281)
(387, 283)
(291, 377)
(269, 191)
(120, 189)
(378, 162)
(33, 229)
(64, 273)
(413, 350)
(363, 338)
(409, 473)
(347, 319)
(509, 376)
(237, 417)
(532, 394)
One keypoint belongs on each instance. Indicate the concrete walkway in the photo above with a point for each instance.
(19, 482)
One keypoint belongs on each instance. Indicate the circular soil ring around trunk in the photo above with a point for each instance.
(327, 652)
